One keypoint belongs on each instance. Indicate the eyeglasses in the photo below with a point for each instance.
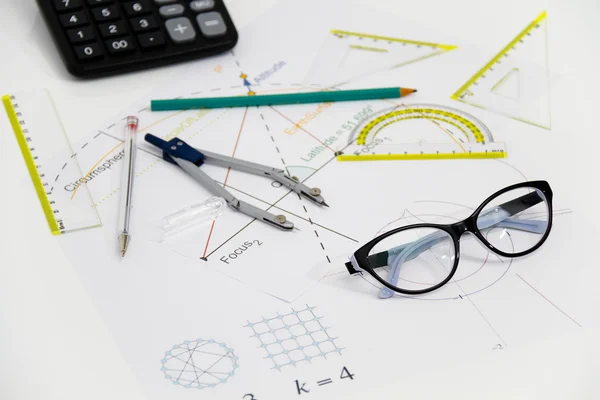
(420, 258)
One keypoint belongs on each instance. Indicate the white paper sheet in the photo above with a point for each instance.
(221, 327)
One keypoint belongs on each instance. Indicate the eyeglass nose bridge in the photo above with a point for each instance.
(460, 228)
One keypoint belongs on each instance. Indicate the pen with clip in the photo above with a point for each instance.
(127, 184)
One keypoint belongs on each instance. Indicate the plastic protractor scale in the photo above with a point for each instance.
(51, 162)
(346, 56)
(421, 132)
(516, 81)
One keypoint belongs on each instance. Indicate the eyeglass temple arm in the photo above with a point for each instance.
(499, 216)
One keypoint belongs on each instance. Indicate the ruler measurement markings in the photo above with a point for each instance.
(38, 130)
(367, 147)
(33, 161)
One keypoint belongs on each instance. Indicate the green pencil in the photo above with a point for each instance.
(280, 99)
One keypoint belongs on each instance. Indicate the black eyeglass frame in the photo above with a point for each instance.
(455, 230)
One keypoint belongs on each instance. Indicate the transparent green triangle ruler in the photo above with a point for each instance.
(516, 81)
(51, 162)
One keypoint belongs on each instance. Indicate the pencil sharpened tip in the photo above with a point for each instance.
(325, 204)
(406, 92)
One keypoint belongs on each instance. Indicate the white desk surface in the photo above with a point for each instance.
(53, 345)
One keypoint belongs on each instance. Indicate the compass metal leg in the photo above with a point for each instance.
(279, 175)
(206, 181)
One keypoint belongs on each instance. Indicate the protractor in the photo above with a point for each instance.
(421, 131)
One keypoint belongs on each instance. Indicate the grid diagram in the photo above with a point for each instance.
(291, 338)
(199, 364)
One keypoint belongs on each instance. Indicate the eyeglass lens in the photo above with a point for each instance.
(515, 221)
(413, 259)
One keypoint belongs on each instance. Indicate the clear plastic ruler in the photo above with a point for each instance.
(51, 162)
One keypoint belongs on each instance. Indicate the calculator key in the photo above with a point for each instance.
(139, 7)
(77, 18)
(180, 30)
(66, 5)
(120, 46)
(111, 29)
(144, 24)
(173, 10)
(98, 2)
(151, 40)
(107, 13)
(89, 52)
(211, 24)
(81, 35)
(202, 5)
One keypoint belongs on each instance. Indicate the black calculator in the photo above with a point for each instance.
(105, 37)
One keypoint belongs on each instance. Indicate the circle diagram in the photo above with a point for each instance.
(199, 364)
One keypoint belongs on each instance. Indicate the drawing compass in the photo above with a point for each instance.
(190, 159)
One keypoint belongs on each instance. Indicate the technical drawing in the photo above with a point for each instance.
(199, 364)
(192, 282)
(294, 337)
(301, 140)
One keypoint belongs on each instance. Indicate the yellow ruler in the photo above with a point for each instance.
(421, 132)
(51, 162)
(516, 81)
